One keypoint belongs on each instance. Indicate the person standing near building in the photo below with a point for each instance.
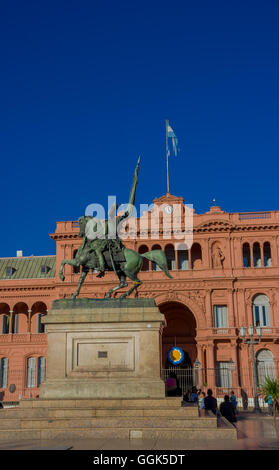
(234, 401)
(270, 405)
(201, 401)
(210, 402)
(194, 396)
(227, 409)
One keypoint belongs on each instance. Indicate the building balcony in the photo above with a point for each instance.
(267, 332)
(224, 331)
(24, 338)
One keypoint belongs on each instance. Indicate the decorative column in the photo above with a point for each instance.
(210, 365)
(242, 316)
(190, 258)
(235, 308)
(272, 308)
(231, 308)
(249, 313)
(262, 255)
(176, 259)
(208, 309)
(234, 346)
(251, 255)
(199, 354)
(29, 321)
(245, 369)
(274, 252)
(11, 322)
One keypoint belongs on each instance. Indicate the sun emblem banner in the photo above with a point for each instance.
(175, 355)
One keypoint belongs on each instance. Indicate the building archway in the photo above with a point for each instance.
(180, 331)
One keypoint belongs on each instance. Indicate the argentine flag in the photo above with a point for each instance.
(174, 139)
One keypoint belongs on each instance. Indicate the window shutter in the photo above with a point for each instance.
(16, 323)
(31, 364)
(5, 372)
(41, 370)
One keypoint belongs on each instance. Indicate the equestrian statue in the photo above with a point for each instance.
(102, 249)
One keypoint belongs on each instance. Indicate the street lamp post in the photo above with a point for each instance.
(252, 341)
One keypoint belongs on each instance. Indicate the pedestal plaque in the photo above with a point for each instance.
(105, 348)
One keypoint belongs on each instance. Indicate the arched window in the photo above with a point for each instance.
(39, 310)
(170, 255)
(20, 318)
(4, 367)
(145, 263)
(76, 269)
(261, 310)
(246, 255)
(267, 254)
(196, 255)
(31, 372)
(265, 365)
(155, 266)
(41, 370)
(257, 255)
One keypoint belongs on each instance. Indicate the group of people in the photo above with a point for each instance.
(228, 408)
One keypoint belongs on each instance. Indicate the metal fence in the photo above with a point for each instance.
(222, 380)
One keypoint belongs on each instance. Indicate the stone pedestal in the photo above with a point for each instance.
(105, 348)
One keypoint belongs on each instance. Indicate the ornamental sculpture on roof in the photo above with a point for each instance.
(102, 249)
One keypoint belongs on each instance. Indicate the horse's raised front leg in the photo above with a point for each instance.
(81, 281)
(71, 262)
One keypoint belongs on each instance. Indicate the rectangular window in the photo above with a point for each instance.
(4, 365)
(224, 375)
(221, 316)
(31, 365)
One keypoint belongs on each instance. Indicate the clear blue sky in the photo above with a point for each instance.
(85, 87)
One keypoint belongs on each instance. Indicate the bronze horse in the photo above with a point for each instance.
(125, 262)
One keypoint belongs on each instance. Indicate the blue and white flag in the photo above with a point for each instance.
(174, 139)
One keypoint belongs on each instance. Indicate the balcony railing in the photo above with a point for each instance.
(21, 338)
(266, 331)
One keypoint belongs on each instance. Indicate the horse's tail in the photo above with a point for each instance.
(158, 257)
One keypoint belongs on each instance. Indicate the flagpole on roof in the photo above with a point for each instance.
(167, 155)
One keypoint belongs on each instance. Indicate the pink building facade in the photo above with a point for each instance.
(228, 279)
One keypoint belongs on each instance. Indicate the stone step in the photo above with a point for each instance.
(108, 422)
(97, 412)
(130, 412)
(149, 403)
(228, 432)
